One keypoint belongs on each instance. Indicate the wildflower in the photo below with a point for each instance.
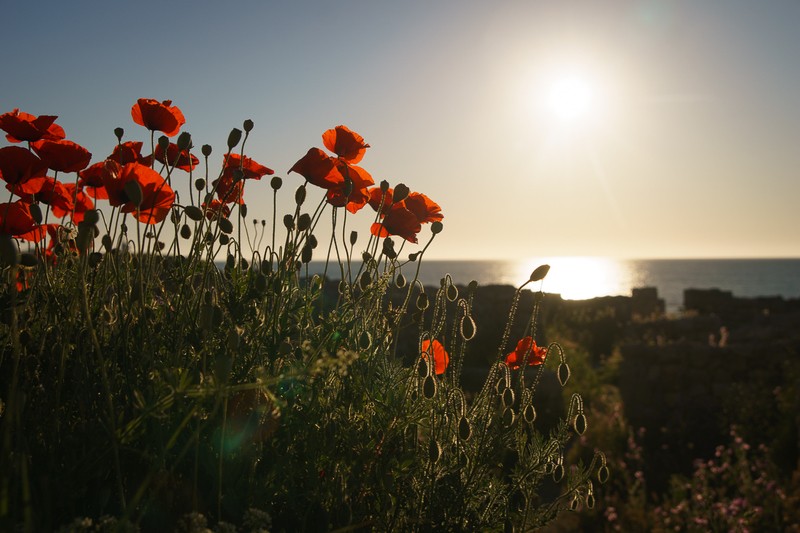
(157, 195)
(62, 155)
(128, 152)
(526, 347)
(81, 203)
(21, 126)
(250, 168)
(16, 220)
(398, 221)
(174, 157)
(347, 184)
(440, 357)
(94, 177)
(48, 191)
(18, 165)
(216, 209)
(229, 190)
(345, 143)
(425, 209)
(158, 116)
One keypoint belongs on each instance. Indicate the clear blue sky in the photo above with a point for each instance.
(686, 147)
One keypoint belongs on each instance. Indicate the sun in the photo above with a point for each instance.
(570, 98)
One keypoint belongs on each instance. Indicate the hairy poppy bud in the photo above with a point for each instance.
(400, 193)
(248, 125)
(119, 132)
(275, 183)
(163, 142)
(91, 216)
(225, 226)
(206, 150)
(304, 222)
(184, 140)
(9, 252)
(540, 273)
(36, 213)
(234, 137)
(300, 195)
(186, 232)
(193, 212)
(134, 192)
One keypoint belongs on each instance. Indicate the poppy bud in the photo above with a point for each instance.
(108, 244)
(388, 249)
(288, 221)
(275, 183)
(243, 209)
(353, 237)
(36, 213)
(224, 239)
(119, 132)
(540, 273)
(206, 150)
(234, 137)
(9, 252)
(27, 260)
(199, 184)
(437, 227)
(91, 216)
(400, 193)
(300, 195)
(85, 236)
(193, 212)
(305, 254)
(248, 125)
(304, 222)
(384, 186)
(238, 174)
(184, 141)
(312, 241)
(225, 226)
(366, 256)
(163, 142)
(186, 232)
(230, 261)
(134, 192)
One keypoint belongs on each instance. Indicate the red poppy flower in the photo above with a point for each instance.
(80, 200)
(48, 191)
(423, 207)
(331, 173)
(174, 157)
(318, 168)
(359, 181)
(377, 196)
(526, 347)
(16, 220)
(158, 116)
(18, 165)
(62, 155)
(345, 143)
(157, 195)
(93, 179)
(21, 126)
(251, 169)
(216, 209)
(128, 152)
(398, 221)
(229, 190)
(440, 357)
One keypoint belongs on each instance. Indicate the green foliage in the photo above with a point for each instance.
(144, 382)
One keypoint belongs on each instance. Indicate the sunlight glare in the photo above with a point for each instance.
(570, 97)
(580, 278)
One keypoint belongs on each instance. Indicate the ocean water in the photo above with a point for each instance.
(581, 278)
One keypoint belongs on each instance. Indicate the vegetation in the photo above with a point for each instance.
(145, 386)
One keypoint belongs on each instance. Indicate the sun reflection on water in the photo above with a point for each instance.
(579, 278)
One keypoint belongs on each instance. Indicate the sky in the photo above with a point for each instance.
(629, 129)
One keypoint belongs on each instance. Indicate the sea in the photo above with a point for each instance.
(580, 278)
